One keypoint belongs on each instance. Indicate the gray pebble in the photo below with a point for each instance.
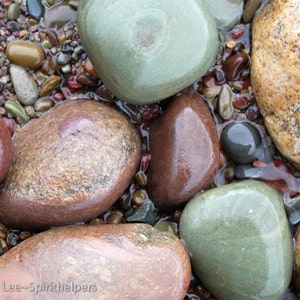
(25, 87)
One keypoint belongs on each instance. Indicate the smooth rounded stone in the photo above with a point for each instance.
(227, 13)
(6, 153)
(25, 87)
(275, 73)
(35, 9)
(235, 65)
(24, 53)
(242, 142)
(13, 11)
(59, 14)
(184, 151)
(240, 242)
(146, 51)
(69, 165)
(128, 261)
(50, 84)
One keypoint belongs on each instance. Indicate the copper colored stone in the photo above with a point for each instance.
(275, 73)
(69, 165)
(6, 150)
(235, 65)
(184, 151)
(129, 261)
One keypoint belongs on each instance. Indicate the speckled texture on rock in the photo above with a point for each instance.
(184, 151)
(69, 165)
(129, 261)
(275, 73)
(6, 150)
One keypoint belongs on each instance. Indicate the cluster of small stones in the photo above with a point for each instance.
(64, 72)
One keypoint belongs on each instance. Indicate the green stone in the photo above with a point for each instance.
(227, 13)
(240, 242)
(146, 51)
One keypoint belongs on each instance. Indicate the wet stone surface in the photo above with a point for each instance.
(153, 264)
(48, 46)
(240, 222)
(88, 155)
(184, 151)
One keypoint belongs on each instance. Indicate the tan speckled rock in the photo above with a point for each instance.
(128, 261)
(69, 165)
(275, 73)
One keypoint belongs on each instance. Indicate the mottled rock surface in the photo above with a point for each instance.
(69, 165)
(240, 241)
(275, 73)
(98, 262)
(146, 51)
(6, 150)
(184, 151)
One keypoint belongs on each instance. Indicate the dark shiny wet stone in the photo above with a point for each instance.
(242, 142)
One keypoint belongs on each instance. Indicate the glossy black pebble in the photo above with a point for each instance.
(242, 142)
(35, 9)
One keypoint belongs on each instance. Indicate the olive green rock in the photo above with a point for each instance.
(146, 51)
(239, 239)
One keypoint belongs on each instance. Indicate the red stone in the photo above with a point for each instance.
(6, 150)
(184, 151)
(234, 65)
(128, 261)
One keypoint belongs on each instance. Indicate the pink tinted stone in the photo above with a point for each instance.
(128, 261)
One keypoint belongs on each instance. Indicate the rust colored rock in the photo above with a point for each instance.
(235, 65)
(69, 166)
(6, 150)
(128, 261)
(275, 73)
(184, 151)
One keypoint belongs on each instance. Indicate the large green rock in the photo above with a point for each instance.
(227, 13)
(146, 51)
(239, 240)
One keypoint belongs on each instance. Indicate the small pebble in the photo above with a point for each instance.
(138, 197)
(86, 79)
(48, 67)
(35, 9)
(63, 59)
(242, 142)
(114, 218)
(25, 87)
(13, 11)
(42, 105)
(235, 65)
(16, 110)
(226, 108)
(49, 85)
(25, 53)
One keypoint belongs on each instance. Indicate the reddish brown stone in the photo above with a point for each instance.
(6, 150)
(184, 151)
(129, 261)
(235, 65)
(69, 165)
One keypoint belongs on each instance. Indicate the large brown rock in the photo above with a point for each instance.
(275, 73)
(6, 150)
(184, 151)
(129, 261)
(70, 165)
